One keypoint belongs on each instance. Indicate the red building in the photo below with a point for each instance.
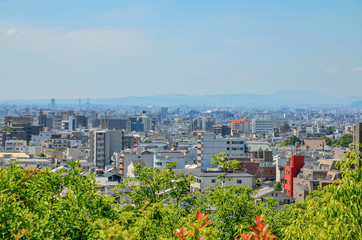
(295, 164)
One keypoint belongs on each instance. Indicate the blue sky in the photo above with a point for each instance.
(118, 48)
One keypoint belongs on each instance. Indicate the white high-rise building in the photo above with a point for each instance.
(263, 125)
(209, 144)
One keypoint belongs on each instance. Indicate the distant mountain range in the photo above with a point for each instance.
(290, 98)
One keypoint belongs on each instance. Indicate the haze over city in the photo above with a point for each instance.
(79, 49)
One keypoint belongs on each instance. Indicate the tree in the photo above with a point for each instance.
(278, 186)
(153, 185)
(225, 165)
(345, 141)
(327, 139)
(293, 140)
(283, 144)
(330, 130)
(258, 183)
(40, 204)
(333, 212)
(41, 154)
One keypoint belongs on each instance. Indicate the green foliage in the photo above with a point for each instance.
(233, 209)
(52, 150)
(328, 140)
(7, 129)
(293, 140)
(345, 141)
(40, 204)
(278, 186)
(330, 130)
(153, 185)
(258, 183)
(225, 165)
(41, 154)
(283, 144)
(331, 213)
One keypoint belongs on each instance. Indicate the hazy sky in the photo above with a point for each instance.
(121, 48)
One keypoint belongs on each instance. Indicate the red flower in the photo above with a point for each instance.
(182, 233)
(201, 216)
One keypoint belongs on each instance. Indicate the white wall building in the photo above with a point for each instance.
(209, 145)
(38, 140)
(206, 179)
(279, 197)
(263, 125)
(162, 158)
(15, 146)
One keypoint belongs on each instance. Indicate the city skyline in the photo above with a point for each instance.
(118, 49)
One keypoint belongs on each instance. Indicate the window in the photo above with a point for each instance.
(276, 194)
(227, 142)
(288, 192)
(285, 181)
(198, 180)
(213, 180)
(227, 148)
(286, 172)
(238, 181)
(285, 191)
(158, 163)
(272, 194)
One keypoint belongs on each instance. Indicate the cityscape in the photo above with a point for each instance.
(114, 132)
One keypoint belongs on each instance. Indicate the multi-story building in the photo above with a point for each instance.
(291, 171)
(115, 124)
(357, 136)
(264, 125)
(81, 121)
(39, 139)
(206, 179)
(162, 158)
(313, 177)
(209, 144)
(203, 123)
(223, 130)
(240, 126)
(15, 146)
(103, 143)
(57, 121)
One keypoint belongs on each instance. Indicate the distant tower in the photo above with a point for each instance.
(42, 118)
(87, 103)
(52, 102)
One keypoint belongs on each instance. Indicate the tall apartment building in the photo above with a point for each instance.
(291, 171)
(103, 143)
(115, 124)
(203, 123)
(357, 136)
(81, 121)
(209, 144)
(57, 121)
(241, 126)
(223, 130)
(263, 126)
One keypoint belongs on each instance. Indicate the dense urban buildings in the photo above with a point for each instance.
(296, 147)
